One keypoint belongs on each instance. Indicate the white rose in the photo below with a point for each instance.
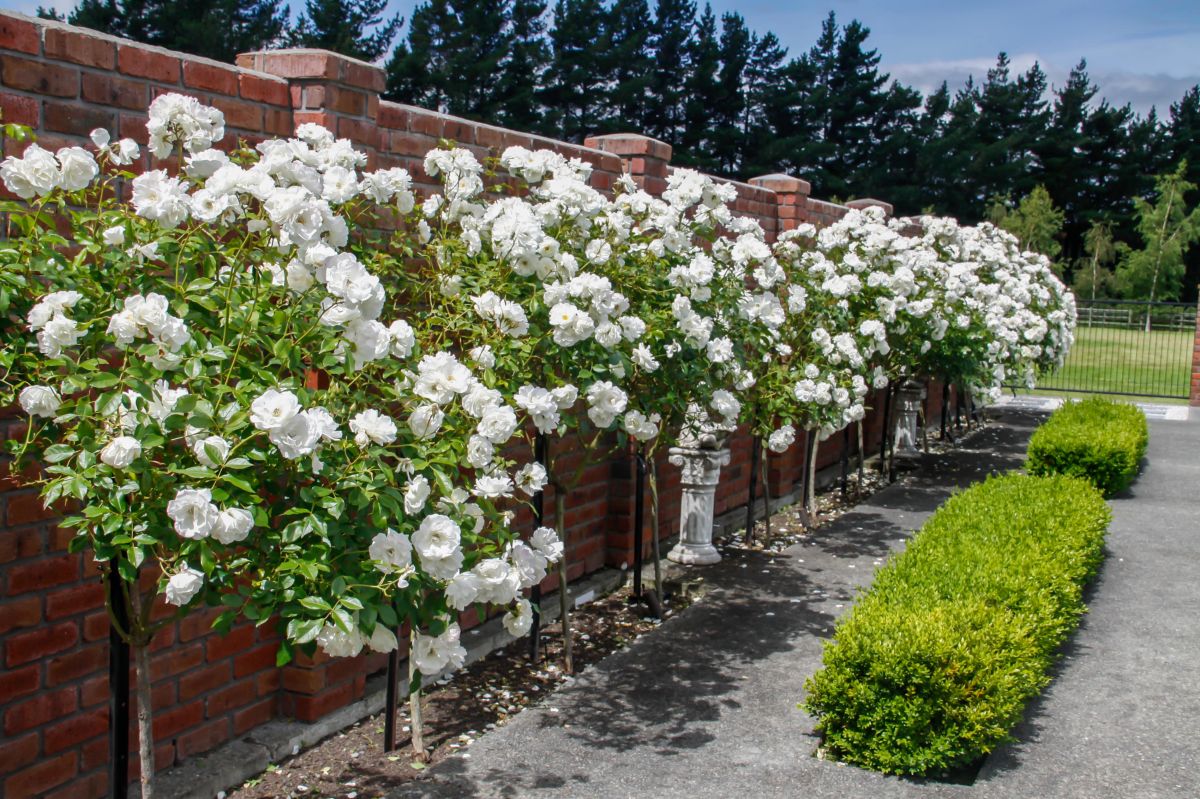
(438, 537)
(545, 540)
(493, 486)
(382, 639)
(40, 401)
(371, 426)
(518, 620)
(296, 437)
(532, 478)
(498, 424)
(781, 439)
(219, 447)
(183, 586)
(425, 421)
(462, 590)
(114, 236)
(337, 643)
(480, 451)
(79, 168)
(391, 551)
(35, 174)
(273, 409)
(233, 525)
(121, 451)
(432, 654)
(498, 583)
(416, 493)
(193, 512)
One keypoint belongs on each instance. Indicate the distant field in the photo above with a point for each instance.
(1117, 360)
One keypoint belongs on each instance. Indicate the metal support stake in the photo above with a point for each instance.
(886, 434)
(392, 700)
(846, 462)
(639, 515)
(118, 681)
(539, 520)
(754, 445)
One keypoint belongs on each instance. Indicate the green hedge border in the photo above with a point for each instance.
(933, 666)
(1097, 439)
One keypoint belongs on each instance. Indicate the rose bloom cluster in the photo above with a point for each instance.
(218, 381)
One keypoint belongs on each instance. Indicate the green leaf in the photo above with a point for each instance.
(56, 453)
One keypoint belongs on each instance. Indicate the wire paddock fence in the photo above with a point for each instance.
(1129, 347)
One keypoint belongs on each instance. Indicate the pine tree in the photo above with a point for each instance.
(1064, 170)
(728, 113)
(356, 28)
(523, 71)
(671, 43)
(218, 30)
(765, 90)
(575, 89)
(1012, 118)
(626, 66)
(702, 93)
(417, 72)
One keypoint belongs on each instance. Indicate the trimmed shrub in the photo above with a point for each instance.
(933, 666)
(1097, 439)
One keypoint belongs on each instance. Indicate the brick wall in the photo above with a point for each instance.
(63, 82)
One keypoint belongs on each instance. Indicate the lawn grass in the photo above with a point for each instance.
(1123, 361)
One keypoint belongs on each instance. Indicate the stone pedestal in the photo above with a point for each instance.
(909, 400)
(701, 472)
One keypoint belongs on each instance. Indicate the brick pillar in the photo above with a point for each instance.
(867, 202)
(791, 198)
(335, 91)
(1194, 399)
(646, 159)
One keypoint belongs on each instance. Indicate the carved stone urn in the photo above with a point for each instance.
(909, 400)
(701, 459)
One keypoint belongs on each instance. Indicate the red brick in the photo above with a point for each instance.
(169, 723)
(363, 76)
(305, 64)
(42, 776)
(278, 122)
(36, 644)
(18, 682)
(44, 707)
(43, 573)
(240, 113)
(95, 754)
(24, 612)
(197, 623)
(203, 738)
(176, 661)
(20, 110)
(20, 34)
(311, 708)
(210, 77)
(80, 47)
(77, 120)
(96, 626)
(203, 680)
(114, 91)
(222, 646)
(94, 691)
(345, 101)
(145, 63)
(250, 717)
(21, 542)
(27, 506)
(93, 786)
(303, 681)
(264, 90)
(234, 697)
(72, 666)
(77, 599)
(20, 751)
(74, 730)
(259, 658)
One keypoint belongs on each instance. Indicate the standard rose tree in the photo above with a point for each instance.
(217, 384)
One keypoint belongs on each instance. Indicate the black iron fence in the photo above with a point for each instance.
(1129, 347)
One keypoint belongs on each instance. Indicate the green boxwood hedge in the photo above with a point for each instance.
(933, 666)
(1097, 439)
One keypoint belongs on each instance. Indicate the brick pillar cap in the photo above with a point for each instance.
(781, 183)
(867, 202)
(630, 144)
(302, 63)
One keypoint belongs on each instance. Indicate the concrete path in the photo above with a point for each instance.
(705, 707)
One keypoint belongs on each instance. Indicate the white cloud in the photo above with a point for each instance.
(1141, 90)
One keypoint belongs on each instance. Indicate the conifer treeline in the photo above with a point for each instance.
(731, 100)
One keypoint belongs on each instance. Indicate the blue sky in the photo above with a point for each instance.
(1145, 53)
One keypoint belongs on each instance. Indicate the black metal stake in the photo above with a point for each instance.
(118, 701)
(539, 517)
(392, 700)
(639, 515)
(846, 462)
(946, 432)
(750, 502)
(887, 423)
(807, 511)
